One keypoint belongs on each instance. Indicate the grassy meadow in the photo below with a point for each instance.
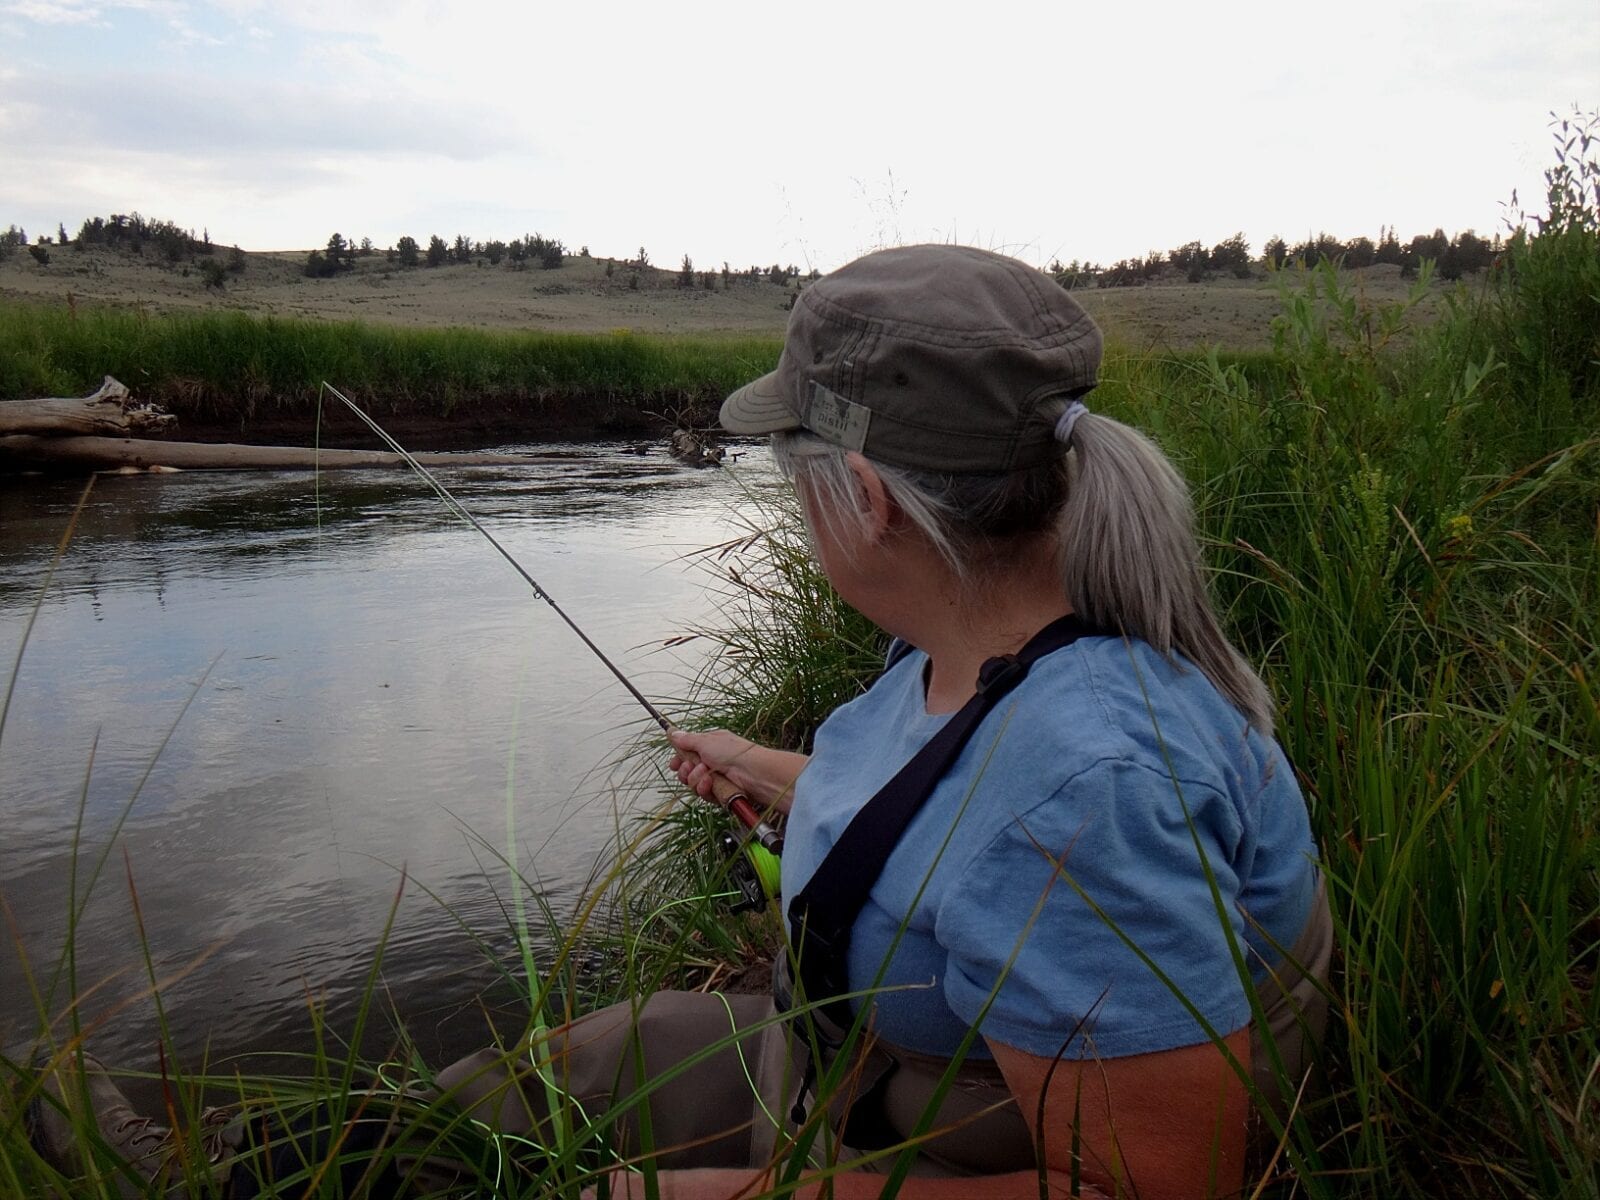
(1403, 517)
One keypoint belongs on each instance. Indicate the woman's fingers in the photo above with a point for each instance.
(698, 757)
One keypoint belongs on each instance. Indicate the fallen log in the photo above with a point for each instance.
(696, 449)
(28, 451)
(110, 409)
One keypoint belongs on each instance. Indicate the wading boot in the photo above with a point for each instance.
(82, 1124)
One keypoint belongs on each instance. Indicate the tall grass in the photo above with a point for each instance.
(232, 367)
(1405, 524)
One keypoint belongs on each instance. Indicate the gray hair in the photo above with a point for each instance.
(1123, 526)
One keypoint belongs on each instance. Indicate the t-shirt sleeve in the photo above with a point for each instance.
(1116, 834)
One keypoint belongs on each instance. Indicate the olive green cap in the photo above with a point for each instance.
(934, 358)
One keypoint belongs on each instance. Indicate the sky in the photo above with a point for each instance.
(801, 133)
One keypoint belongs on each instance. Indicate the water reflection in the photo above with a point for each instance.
(367, 687)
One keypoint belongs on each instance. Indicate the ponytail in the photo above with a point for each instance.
(1130, 560)
(1122, 519)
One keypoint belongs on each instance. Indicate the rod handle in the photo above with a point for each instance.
(738, 804)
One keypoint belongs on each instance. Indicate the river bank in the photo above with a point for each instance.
(233, 377)
(229, 376)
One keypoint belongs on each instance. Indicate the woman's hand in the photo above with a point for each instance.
(763, 774)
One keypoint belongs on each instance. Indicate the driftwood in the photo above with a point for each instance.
(114, 454)
(696, 449)
(109, 410)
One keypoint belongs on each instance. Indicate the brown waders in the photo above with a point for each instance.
(732, 1107)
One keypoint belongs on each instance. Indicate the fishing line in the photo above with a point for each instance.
(460, 510)
(765, 842)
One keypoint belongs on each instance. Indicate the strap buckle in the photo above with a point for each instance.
(999, 674)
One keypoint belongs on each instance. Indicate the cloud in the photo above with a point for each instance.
(79, 12)
(217, 118)
(54, 12)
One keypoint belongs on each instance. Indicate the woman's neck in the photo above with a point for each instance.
(960, 626)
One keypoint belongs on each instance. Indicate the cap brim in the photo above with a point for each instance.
(760, 406)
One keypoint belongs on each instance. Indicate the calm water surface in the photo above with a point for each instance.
(362, 696)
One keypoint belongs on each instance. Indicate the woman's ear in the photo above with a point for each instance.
(877, 507)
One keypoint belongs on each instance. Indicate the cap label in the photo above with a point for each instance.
(843, 422)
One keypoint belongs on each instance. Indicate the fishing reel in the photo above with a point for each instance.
(753, 870)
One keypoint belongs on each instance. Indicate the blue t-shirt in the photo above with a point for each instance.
(1095, 778)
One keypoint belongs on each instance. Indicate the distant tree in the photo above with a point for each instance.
(686, 273)
(461, 252)
(778, 275)
(708, 280)
(320, 265)
(494, 252)
(40, 254)
(1231, 255)
(644, 259)
(214, 274)
(1449, 263)
(1360, 252)
(1323, 247)
(551, 254)
(340, 256)
(366, 248)
(438, 252)
(1431, 246)
(1124, 272)
(583, 251)
(1472, 252)
(1388, 250)
(236, 261)
(61, 239)
(1275, 253)
(1190, 258)
(727, 276)
(407, 251)
(10, 241)
(633, 280)
(610, 267)
(1073, 274)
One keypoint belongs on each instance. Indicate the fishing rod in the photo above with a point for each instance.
(765, 837)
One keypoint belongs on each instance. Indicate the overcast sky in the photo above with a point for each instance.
(805, 133)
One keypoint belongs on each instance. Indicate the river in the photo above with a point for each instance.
(260, 697)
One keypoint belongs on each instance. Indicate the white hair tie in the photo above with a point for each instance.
(1068, 418)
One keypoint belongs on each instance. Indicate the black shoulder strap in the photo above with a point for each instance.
(823, 913)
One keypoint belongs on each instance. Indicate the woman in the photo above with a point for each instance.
(1098, 880)
(1114, 828)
